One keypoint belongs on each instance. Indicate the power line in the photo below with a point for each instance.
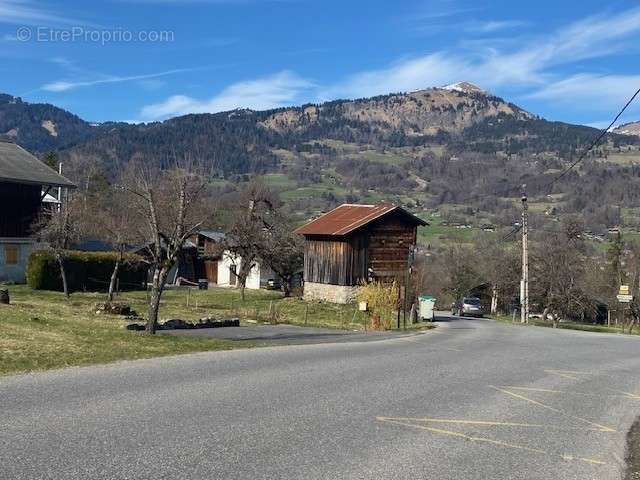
(515, 230)
(594, 143)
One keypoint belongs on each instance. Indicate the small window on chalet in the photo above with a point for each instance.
(11, 254)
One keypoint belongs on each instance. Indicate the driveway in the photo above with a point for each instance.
(289, 334)
(473, 399)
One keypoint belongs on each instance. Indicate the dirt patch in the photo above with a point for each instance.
(633, 452)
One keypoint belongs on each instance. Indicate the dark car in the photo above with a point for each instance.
(274, 284)
(467, 307)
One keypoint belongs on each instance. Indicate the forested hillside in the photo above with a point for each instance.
(459, 153)
(40, 127)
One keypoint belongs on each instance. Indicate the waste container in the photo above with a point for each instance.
(427, 304)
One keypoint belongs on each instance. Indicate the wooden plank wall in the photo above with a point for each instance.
(389, 244)
(19, 208)
(335, 261)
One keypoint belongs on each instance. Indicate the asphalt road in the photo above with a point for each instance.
(471, 400)
(262, 335)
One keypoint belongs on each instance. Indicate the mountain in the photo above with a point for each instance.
(424, 112)
(464, 87)
(458, 151)
(40, 127)
(632, 128)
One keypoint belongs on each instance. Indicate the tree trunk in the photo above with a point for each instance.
(63, 274)
(545, 314)
(112, 283)
(494, 300)
(157, 286)
(243, 286)
(286, 287)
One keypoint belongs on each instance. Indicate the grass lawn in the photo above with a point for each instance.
(41, 330)
(435, 233)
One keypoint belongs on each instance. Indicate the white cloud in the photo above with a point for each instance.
(279, 90)
(66, 85)
(524, 67)
(520, 67)
(406, 75)
(25, 12)
(590, 91)
(495, 25)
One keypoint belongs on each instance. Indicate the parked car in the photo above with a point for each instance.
(274, 284)
(467, 307)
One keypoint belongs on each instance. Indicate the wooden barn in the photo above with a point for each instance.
(355, 243)
(24, 184)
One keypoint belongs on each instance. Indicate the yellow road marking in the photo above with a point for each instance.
(625, 394)
(573, 372)
(490, 441)
(566, 392)
(565, 374)
(553, 409)
(485, 423)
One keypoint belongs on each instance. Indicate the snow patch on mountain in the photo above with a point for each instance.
(464, 87)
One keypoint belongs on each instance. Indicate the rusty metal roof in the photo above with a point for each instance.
(347, 218)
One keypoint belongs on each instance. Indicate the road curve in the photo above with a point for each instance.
(473, 399)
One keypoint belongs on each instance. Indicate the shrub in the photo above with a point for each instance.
(382, 300)
(86, 271)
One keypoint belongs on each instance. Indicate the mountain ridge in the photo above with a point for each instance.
(445, 149)
(629, 128)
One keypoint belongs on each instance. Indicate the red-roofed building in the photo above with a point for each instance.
(355, 243)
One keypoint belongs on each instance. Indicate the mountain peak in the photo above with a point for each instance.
(631, 128)
(464, 87)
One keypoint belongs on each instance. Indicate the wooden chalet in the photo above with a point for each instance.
(24, 183)
(355, 243)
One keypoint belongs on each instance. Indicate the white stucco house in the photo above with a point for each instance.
(229, 263)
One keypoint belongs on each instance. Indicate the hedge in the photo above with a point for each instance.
(86, 271)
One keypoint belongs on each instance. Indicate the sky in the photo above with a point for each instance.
(148, 60)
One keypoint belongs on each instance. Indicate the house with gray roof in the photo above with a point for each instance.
(24, 183)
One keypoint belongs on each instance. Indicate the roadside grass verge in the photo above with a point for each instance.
(585, 327)
(42, 330)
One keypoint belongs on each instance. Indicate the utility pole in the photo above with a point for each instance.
(524, 283)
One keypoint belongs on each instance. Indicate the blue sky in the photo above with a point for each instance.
(145, 60)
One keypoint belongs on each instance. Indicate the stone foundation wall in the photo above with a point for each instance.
(330, 293)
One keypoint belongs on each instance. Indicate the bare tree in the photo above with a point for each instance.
(59, 227)
(169, 209)
(462, 270)
(500, 267)
(283, 252)
(111, 218)
(247, 235)
(559, 276)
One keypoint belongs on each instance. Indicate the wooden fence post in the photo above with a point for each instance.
(272, 313)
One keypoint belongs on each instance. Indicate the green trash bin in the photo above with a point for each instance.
(427, 305)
